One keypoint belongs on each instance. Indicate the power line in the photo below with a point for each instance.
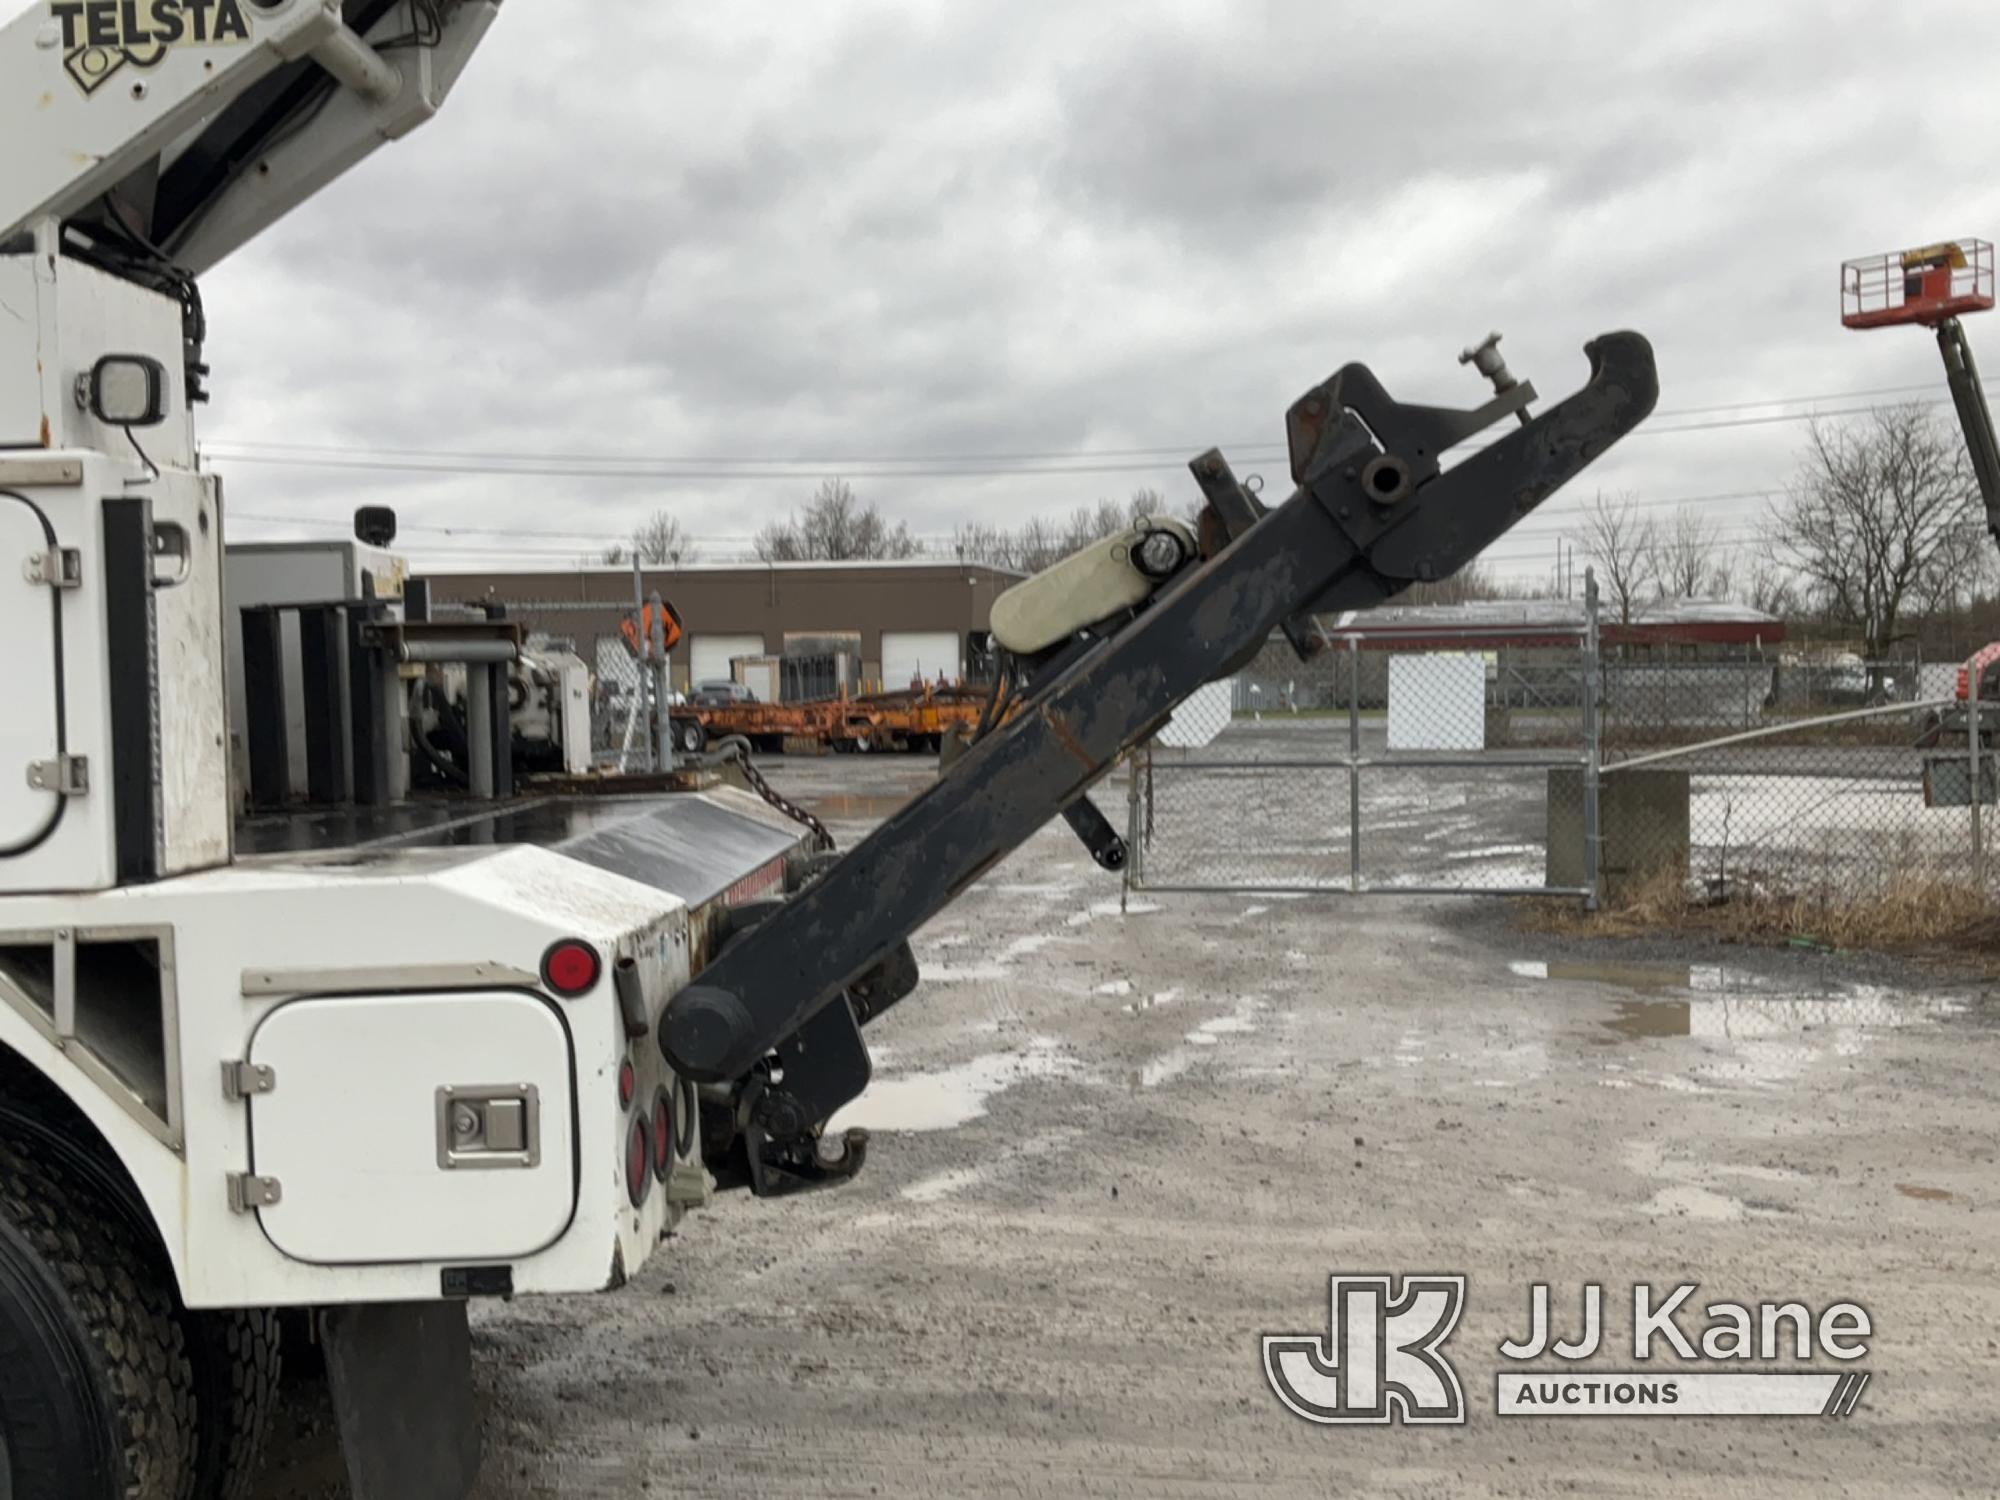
(1515, 547)
(604, 538)
(539, 470)
(1169, 451)
(725, 539)
(612, 466)
(1880, 390)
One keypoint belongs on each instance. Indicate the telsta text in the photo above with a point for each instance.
(149, 23)
(1731, 1330)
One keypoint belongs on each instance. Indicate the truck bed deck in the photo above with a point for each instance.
(696, 845)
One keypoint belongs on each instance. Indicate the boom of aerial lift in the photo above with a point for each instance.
(184, 128)
(1932, 286)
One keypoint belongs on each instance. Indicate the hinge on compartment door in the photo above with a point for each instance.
(66, 775)
(249, 1192)
(59, 568)
(242, 1079)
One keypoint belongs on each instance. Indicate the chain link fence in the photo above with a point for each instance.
(1597, 762)
(1742, 782)
(1409, 762)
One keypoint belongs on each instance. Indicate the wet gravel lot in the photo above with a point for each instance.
(1113, 1149)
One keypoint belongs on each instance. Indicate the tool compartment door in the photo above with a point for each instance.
(375, 1119)
(31, 727)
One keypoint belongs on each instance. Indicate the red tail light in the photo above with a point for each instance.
(638, 1162)
(571, 967)
(663, 1135)
(628, 1083)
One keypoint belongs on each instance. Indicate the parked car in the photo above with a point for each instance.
(719, 694)
(1846, 681)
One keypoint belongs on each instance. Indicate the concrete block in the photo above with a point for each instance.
(1642, 819)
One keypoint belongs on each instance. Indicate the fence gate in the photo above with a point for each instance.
(1426, 761)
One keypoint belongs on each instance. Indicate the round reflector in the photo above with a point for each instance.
(638, 1162)
(628, 1083)
(684, 1117)
(663, 1135)
(570, 967)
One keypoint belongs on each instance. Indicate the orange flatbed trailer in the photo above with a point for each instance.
(914, 718)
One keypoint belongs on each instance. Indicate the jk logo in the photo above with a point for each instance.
(1379, 1360)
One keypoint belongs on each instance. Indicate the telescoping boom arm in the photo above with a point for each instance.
(179, 129)
(772, 1026)
(1973, 417)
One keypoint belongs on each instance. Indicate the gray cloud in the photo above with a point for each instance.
(984, 227)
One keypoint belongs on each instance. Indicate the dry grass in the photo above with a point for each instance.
(1912, 913)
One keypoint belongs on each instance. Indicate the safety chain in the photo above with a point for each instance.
(821, 838)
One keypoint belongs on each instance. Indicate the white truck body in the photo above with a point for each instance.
(368, 981)
(140, 958)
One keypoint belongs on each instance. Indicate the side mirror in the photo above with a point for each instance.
(375, 525)
(125, 390)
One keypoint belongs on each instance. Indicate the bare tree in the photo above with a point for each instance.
(1684, 556)
(1035, 544)
(1027, 548)
(1147, 501)
(1106, 518)
(1770, 588)
(1882, 522)
(1622, 544)
(1473, 581)
(834, 526)
(663, 539)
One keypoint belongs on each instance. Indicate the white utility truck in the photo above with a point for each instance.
(369, 1052)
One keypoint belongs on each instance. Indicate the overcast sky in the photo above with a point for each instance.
(861, 232)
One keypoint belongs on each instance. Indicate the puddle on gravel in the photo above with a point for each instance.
(1169, 1065)
(1639, 1019)
(1728, 1003)
(1644, 978)
(950, 1097)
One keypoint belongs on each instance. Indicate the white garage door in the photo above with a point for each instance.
(911, 654)
(710, 654)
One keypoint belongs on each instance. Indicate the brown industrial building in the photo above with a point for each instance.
(898, 621)
(928, 618)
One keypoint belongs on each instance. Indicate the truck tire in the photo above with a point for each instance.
(234, 1356)
(690, 737)
(96, 1390)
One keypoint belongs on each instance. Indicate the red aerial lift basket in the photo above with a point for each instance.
(1925, 285)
